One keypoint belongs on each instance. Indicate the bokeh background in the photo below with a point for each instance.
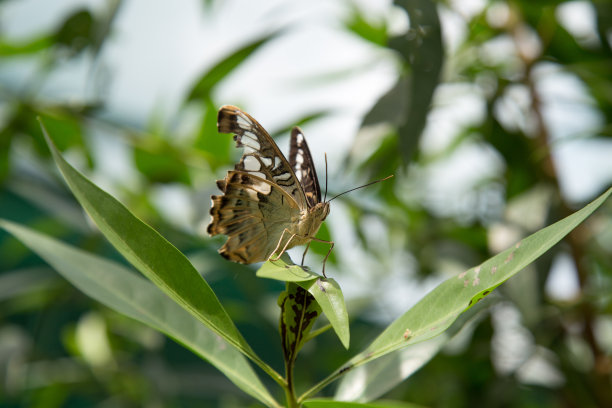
(494, 116)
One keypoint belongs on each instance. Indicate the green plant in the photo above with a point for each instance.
(202, 325)
(493, 116)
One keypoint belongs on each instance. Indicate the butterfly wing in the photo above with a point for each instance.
(253, 213)
(262, 157)
(302, 164)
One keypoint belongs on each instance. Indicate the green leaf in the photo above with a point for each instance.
(285, 270)
(391, 107)
(154, 257)
(326, 291)
(329, 403)
(433, 314)
(208, 81)
(299, 311)
(68, 129)
(439, 308)
(329, 296)
(77, 32)
(304, 120)
(127, 293)
(161, 162)
(370, 381)
(5, 144)
(422, 52)
(10, 49)
(216, 146)
(360, 26)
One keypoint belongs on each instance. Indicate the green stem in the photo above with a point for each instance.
(315, 333)
(289, 388)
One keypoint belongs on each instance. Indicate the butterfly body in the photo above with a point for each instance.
(268, 204)
(309, 224)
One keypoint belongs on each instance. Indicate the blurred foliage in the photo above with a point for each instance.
(42, 360)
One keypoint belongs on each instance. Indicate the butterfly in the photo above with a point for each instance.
(269, 204)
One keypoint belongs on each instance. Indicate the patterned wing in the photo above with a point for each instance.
(253, 213)
(261, 157)
(301, 162)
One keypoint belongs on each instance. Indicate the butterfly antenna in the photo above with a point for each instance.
(365, 185)
(325, 196)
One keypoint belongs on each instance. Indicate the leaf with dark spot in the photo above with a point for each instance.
(299, 310)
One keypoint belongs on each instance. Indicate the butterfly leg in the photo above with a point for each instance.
(304, 255)
(284, 247)
(331, 246)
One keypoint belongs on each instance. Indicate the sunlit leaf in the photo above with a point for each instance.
(439, 308)
(370, 381)
(326, 291)
(11, 48)
(329, 296)
(285, 270)
(433, 314)
(359, 25)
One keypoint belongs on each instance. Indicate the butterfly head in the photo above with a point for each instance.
(320, 210)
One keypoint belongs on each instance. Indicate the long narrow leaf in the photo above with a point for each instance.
(215, 74)
(154, 257)
(441, 307)
(127, 293)
(370, 381)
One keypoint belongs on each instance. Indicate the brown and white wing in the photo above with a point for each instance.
(302, 164)
(253, 213)
(262, 157)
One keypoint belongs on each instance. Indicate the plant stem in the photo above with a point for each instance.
(289, 388)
